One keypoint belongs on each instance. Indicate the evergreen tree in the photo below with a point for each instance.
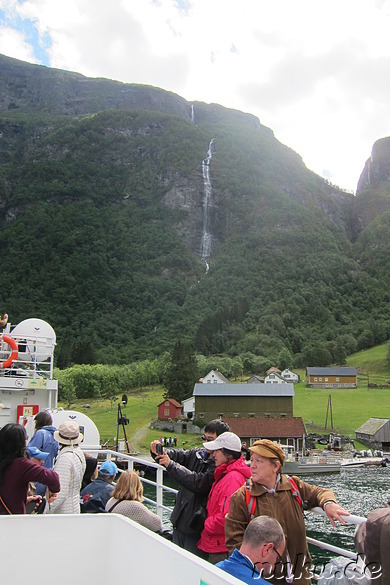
(181, 374)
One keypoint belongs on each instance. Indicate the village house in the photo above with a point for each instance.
(255, 380)
(376, 433)
(285, 431)
(290, 376)
(331, 377)
(169, 408)
(243, 400)
(273, 370)
(214, 377)
(188, 406)
(274, 378)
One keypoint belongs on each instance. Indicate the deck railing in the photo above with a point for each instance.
(131, 460)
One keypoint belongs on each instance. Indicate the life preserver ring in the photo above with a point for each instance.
(14, 353)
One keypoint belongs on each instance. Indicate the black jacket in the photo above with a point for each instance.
(194, 472)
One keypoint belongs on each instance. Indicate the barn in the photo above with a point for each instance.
(376, 433)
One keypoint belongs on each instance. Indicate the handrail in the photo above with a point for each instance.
(161, 488)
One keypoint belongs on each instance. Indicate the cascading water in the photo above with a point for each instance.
(205, 246)
(192, 113)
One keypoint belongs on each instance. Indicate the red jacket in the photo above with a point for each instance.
(228, 478)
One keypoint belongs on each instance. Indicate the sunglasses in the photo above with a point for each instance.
(207, 439)
(279, 556)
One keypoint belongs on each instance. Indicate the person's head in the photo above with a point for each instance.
(225, 448)
(68, 434)
(108, 471)
(128, 487)
(267, 460)
(42, 419)
(214, 428)
(12, 445)
(264, 543)
(36, 455)
(91, 470)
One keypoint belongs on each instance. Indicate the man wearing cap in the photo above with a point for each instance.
(193, 470)
(95, 495)
(262, 547)
(70, 466)
(274, 494)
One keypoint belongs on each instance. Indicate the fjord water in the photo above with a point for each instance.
(358, 490)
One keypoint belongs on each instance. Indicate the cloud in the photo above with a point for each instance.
(315, 72)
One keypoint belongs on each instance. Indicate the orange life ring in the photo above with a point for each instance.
(14, 354)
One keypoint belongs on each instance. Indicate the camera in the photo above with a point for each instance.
(159, 449)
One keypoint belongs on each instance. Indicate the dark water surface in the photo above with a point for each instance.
(358, 490)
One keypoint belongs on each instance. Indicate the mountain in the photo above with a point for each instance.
(130, 218)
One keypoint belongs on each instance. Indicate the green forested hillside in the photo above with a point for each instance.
(101, 222)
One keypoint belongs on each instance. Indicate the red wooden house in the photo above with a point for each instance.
(169, 408)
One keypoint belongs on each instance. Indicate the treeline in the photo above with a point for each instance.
(111, 381)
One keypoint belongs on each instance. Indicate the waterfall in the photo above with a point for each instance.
(192, 113)
(205, 246)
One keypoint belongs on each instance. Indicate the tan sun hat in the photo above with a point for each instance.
(68, 433)
(269, 449)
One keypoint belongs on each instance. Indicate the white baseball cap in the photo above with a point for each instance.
(224, 441)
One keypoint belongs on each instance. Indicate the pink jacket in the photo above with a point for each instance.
(228, 478)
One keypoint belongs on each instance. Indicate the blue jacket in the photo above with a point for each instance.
(44, 440)
(241, 567)
(95, 496)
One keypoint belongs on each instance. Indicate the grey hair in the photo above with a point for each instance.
(262, 530)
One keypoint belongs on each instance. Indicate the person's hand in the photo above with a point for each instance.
(163, 459)
(153, 446)
(38, 499)
(51, 497)
(335, 512)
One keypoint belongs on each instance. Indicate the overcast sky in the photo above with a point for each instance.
(317, 72)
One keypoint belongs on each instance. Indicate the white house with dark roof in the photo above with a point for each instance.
(243, 400)
(274, 378)
(290, 376)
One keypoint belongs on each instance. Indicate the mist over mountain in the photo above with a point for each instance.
(130, 218)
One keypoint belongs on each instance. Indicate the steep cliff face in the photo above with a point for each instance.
(373, 191)
(377, 167)
(26, 87)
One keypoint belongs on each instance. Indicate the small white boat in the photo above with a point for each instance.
(364, 462)
(309, 465)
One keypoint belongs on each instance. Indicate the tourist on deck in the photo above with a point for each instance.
(70, 466)
(127, 499)
(193, 470)
(272, 493)
(95, 496)
(37, 504)
(91, 470)
(262, 547)
(230, 473)
(43, 439)
(17, 471)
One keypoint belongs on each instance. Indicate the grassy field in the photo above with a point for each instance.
(350, 408)
(141, 409)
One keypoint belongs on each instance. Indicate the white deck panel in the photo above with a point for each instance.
(95, 548)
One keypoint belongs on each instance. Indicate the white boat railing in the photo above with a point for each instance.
(161, 488)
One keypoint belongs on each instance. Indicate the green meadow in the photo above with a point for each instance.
(350, 408)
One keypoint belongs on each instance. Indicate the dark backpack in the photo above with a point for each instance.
(372, 539)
